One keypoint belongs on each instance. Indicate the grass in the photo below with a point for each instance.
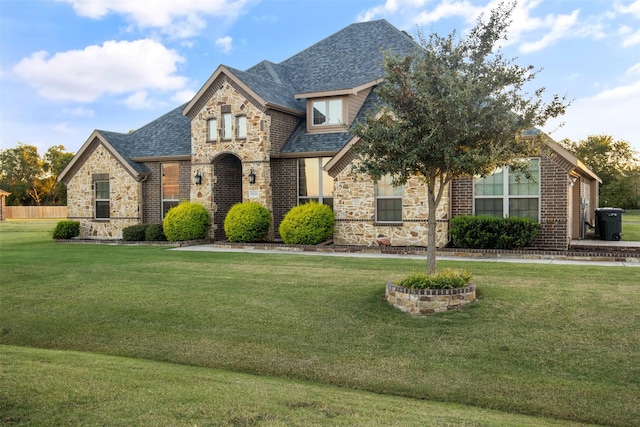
(560, 342)
(631, 225)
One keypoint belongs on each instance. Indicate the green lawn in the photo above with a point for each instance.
(631, 225)
(554, 341)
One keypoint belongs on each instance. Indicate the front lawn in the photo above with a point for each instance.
(631, 225)
(545, 340)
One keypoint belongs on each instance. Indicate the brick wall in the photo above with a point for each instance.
(227, 190)
(281, 127)
(285, 191)
(152, 189)
(462, 197)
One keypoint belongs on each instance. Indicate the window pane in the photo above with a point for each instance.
(491, 207)
(102, 209)
(526, 208)
(385, 188)
(241, 126)
(226, 126)
(212, 130)
(170, 181)
(319, 112)
(309, 177)
(327, 180)
(335, 112)
(519, 185)
(102, 190)
(491, 185)
(389, 210)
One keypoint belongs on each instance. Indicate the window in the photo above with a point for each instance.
(101, 189)
(241, 127)
(170, 186)
(509, 193)
(313, 182)
(388, 201)
(212, 130)
(327, 112)
(226, 126)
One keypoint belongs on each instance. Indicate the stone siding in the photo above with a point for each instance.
(252, 152)
(422, 302)
(124, 196)
(354, 210)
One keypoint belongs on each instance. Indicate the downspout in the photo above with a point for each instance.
(140, 198)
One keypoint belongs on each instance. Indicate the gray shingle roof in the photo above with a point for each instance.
(169, 135)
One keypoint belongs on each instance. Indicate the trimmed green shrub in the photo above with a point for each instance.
(155, 233)
(488, 232)
(66, 229)
(307, 224)
(134, 233)
(187, 221)
(247, 222)
(445, 279)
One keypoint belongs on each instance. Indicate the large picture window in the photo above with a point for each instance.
(101, 197)
(388, 201)
(327, 112)
(313, 182)
(226, 126)
(509, 193)
(170, 186)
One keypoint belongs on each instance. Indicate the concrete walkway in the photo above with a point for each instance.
(520, 259)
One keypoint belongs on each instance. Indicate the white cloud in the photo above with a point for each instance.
(560, 26)
(80, 112)
(632, 8)
(113, 68)
(63, 128)
(139, 101)
(635, 69)
(178, 18)
(183, 96)
(611, 112)
(629, 37)
(225, 44)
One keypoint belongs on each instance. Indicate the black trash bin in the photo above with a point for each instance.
(609, 223)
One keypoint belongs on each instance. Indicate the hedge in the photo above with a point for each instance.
(488, 232)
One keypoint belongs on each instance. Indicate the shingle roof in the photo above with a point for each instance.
(169, 135)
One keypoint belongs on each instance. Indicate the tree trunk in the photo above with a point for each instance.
(431, 233)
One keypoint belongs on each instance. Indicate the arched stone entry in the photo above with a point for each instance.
(227, 190)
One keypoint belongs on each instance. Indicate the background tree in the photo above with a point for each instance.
(30, 179)
(452, 109)
(616, 163)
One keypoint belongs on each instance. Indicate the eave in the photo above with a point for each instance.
(338, 92)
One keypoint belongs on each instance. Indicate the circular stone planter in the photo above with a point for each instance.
(421, 302)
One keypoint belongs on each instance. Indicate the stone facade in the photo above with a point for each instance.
(355, 214)
(124, 196)
(213, 159)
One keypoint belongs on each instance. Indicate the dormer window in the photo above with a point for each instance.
(327, 112)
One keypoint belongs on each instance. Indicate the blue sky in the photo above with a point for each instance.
(68, 67)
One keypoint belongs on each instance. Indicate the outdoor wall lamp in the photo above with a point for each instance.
(197, 179)
(572, 180)
(252, 177)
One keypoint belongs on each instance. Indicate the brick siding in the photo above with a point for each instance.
(285, 191)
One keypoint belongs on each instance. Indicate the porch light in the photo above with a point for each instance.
(252, 177)
(197, 179)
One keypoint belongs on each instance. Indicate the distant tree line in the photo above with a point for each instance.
(616, 163)
(31, 179)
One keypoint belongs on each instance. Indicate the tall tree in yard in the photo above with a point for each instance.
(454, 108)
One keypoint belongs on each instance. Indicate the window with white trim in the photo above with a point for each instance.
(327, 112)
(170, 186)
(314, 183)
(101, 196)
(388, 200)
(241, 127)
(212, 130)
(509, 193)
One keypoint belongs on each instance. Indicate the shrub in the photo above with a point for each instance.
(155, 233)
(446, 279)
(187, 221)
(66, 229)
(134, 233)
(247, 222)
(307, 224)
(487, 232)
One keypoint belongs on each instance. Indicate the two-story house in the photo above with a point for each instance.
(275, 134)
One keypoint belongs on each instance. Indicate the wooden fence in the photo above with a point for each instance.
(34, 212)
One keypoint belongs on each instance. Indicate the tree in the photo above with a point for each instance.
(605, 156)
(31, 179)
(452, 109)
